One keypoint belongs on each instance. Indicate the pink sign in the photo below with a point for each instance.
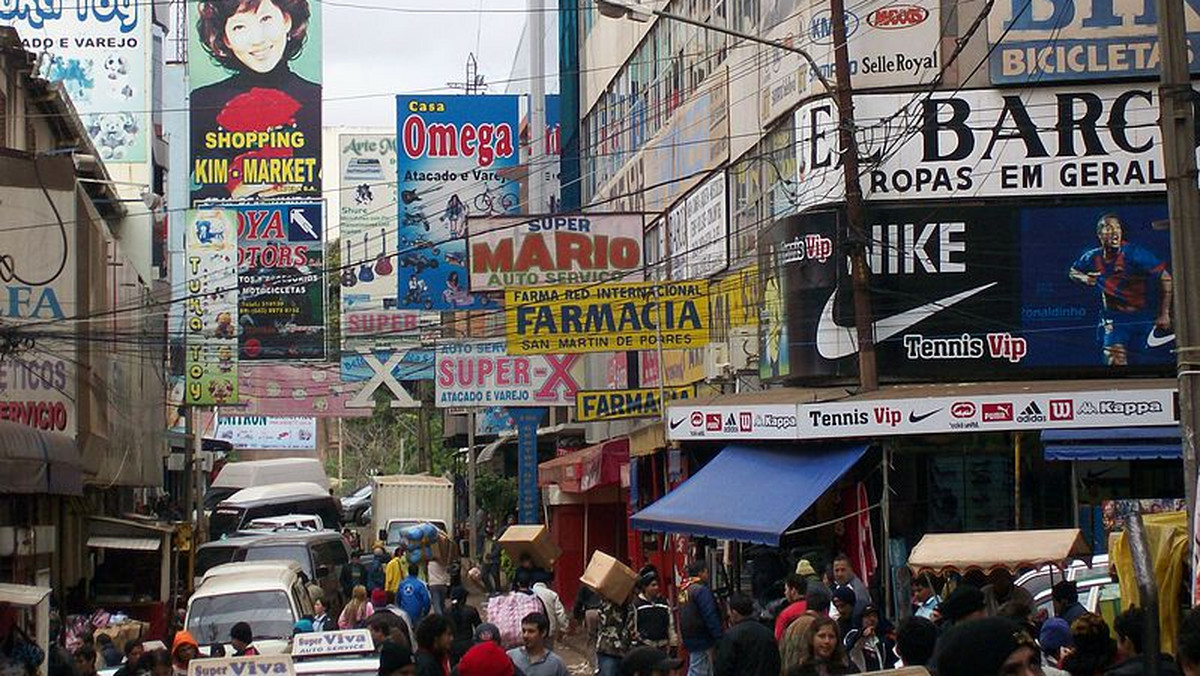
(286, 390)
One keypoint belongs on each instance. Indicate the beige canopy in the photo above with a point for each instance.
(939, 553)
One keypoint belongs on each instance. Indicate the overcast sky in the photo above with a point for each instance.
(371, 49)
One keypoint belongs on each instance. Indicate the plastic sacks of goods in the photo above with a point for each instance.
(424, 542)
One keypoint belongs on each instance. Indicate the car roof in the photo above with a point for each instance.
(248, 576)
(291, 537)
(292, 489)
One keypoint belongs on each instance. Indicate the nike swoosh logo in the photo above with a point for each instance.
(914, 418)
(677, 423)
(835, 341)
(1155, 340)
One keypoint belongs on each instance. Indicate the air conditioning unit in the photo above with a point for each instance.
(716, 362)
(743, 349)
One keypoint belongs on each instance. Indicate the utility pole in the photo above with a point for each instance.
(868, 377)
(537, 107)
(1179, 159)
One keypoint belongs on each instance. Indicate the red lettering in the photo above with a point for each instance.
(573, 247)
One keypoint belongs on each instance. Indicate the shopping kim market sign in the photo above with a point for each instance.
(606, 317)
(1044, 40)
(483, 373)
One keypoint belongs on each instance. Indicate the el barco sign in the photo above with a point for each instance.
(925, 415)
(987, 143)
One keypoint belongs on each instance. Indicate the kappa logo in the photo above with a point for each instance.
(1032, 414)
(1062, 409)
(998, 412)
(1123, 408)
(712, 422)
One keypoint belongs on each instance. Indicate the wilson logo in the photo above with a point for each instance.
(897, 16)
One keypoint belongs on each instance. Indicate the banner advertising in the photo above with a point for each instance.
(38, 386)
(645, 402)
(890, 43)
(606, 318)
(1034, 42)
(1081, 290)
(925, 415)
(383, 332)
(483, 373)
(211, 307)
(560, 249)
(281, 275)
(255, 73)
(707, 226)
(416, 362)
(272, 434)
(784, 78)
(97, 51)
(280, 665)
(987, 143)
(367, 219)
(451, 161)
(293, 390)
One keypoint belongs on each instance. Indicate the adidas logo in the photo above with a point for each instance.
(1032, 414)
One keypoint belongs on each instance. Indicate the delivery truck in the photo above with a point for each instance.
(399, 501)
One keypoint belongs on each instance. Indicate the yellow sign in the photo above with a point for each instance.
(736, 300)
(596, 405)
(606, 317)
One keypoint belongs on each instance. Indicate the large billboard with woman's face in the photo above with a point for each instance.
(255, 68)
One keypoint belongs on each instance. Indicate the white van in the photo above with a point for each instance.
(238, 475)
(278, 499)
(268, 595)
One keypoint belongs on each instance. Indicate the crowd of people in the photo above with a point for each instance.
(825, 626)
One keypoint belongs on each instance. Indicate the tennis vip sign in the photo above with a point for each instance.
(645, 402)
(484, 373)
(606, 318)
(926, 415)
(1100, 139)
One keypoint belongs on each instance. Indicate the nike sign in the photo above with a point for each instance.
(1154, 340)
(914, 418)
(835, 341)
(677, 423)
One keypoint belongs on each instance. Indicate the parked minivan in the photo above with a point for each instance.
(257, 502)
(235, 476)
(269, 595)
(320, 555)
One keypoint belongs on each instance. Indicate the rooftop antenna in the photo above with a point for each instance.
(474, 83)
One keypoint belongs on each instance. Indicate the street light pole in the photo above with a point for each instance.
(847, 141)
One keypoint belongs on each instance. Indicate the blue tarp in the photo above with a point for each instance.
(750, 493)
(1125, 443)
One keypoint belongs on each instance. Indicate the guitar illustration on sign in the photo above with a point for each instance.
(348, 278)
(383, 264)
(410, 196)
(365, 274)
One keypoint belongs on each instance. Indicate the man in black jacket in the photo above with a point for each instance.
(748, 648)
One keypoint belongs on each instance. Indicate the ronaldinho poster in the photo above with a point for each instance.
(256, 98)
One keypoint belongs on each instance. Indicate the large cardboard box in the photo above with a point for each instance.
(535, 540)
(609, 577)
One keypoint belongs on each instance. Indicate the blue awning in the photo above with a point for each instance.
(750, 493)
(1122, 443)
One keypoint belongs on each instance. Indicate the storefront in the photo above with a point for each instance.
(587, 498)
(131, 564)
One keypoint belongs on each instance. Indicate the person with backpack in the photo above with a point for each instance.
(699, 619)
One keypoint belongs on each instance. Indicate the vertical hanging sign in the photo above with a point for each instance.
(211, 307)
(527, 420)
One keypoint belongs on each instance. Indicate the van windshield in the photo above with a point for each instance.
(215, 495)
(224, 521)
(269, 614)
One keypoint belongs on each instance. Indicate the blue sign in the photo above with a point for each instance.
(527, 420)
(451, 155)
(1091, 294)
(417, 364)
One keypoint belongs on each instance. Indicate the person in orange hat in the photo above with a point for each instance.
(183, 650)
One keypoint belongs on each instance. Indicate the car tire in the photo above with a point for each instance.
(360, 518)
